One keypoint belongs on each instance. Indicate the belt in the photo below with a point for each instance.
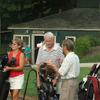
(73, 78)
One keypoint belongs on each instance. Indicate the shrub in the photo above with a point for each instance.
(96, 41)
(83, 45)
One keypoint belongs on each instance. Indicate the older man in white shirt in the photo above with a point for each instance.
(69, 71)
(49, 51)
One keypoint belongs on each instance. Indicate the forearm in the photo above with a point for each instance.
(38, 71)
(57, 77)
(14, 68)
(38, 76)
(17, 68)
(55, 68)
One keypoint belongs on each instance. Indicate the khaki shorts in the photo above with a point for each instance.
(69, 89)
(16, 82)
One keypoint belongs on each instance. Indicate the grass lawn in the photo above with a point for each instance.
(83, 72)
(31, 88)
(91, 58)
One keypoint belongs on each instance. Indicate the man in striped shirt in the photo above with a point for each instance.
(69, 72)
(50, 51)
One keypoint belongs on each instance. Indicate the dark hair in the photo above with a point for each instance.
(69, 44)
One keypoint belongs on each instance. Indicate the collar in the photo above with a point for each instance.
(55, 47)
(70, 53)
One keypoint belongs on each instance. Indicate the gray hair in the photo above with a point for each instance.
(49, 35)
(69, 44)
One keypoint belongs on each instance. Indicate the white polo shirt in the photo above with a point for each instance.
(70, 67)
(55, 55)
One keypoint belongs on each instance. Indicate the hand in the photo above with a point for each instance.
(50, 64)
(6, 68)
(54, 81)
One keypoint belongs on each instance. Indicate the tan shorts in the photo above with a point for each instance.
(16, 82)
(69, 90)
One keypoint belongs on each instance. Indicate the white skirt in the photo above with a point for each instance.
(16, 82)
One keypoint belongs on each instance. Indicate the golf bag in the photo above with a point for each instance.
(4, 83)
(47, 91)
(89, 87)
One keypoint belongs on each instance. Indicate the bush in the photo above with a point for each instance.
(83, 45)
(96, 41)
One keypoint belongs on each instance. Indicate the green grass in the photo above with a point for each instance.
(31, 88)
(83, 72)
(91, 58)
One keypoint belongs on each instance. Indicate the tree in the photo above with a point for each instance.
(15, 11)
(11, 10)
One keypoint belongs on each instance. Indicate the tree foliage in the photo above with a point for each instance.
(16, 11)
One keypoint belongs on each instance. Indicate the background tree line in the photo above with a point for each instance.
(17, 11)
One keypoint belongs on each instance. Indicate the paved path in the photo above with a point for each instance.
(81, 64)
(88, 64)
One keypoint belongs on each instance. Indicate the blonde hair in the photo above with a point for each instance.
(19, 42)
